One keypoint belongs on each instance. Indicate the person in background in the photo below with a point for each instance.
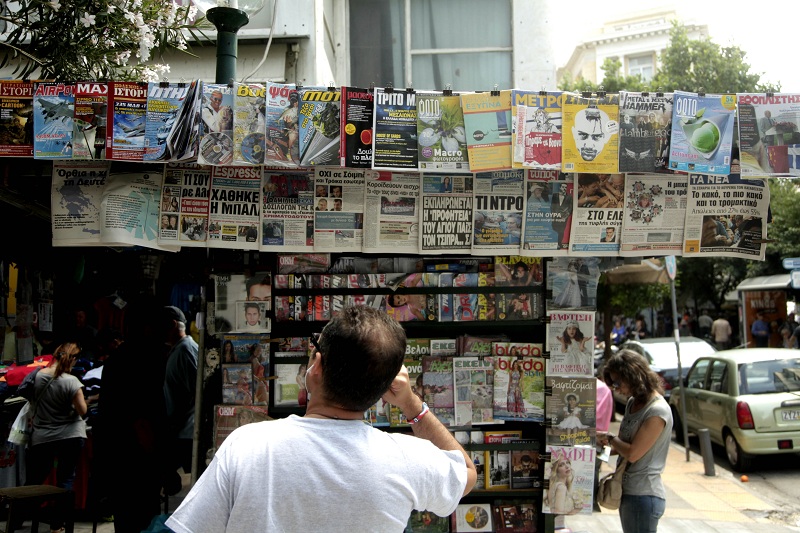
(704, 323)
(603, 417)
(721, 332)
(760, 331)
(644, 437)
(259, 478)
(180, 384)
(618, 332)
(59, 430)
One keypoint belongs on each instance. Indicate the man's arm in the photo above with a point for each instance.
(428, 427)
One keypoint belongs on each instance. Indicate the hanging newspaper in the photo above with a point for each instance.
(591, 139)
(644, 131)
(394, 131)
(184, 205)
(497, 214)
(597, 214)
(726, 217)
(287, 212)
(570, 341)
(702, 133)
(338, 209)
(234, 209)
(129, 212)
(768, 125)
(655, 212)
(446, 214)
(547, 212)
(572, 281)
(391, 208)
(536, 137)
(75, 198)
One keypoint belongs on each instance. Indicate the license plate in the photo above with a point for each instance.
(793, 414)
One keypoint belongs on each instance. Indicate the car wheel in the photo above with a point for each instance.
(738, 459)
(677, 426)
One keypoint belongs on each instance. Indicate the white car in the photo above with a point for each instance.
(749, 400)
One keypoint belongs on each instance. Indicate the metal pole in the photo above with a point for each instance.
(705, 449)
(228, 21)
(677, 334)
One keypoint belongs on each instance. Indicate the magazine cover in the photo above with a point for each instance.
(229, 417)
(216, 135)
(536, 136)
(446, 213)
(518, 381)
(498, 468)
(53, 111)
(654, 215)
(249, 123)
(570, 341)
(427, 522)
(498, 209)
(290, 388)
(91, 112)
(283, 129)
(548, 213)
(487, 301)
(473, 379)
(702, 133)
(591, 139)
(437, 382)
(415, 351)
(440, 132)
(471, 517)
(572, 281)
(526, 472)
(127, 115)
(287, 213)
(516, 516)
(445, 300)
(233, 289)
(394, 130)
(569, 475)
(519, 305)
(644, 131)
(356, 127)
(319, 126)
(164, 102)
(517, 271)
(16, 118)
(769, 124)
(487, 119)
(571, 410)
(237, 384)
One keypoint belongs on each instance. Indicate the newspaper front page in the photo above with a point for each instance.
(597, 214)
(287, 212)
(655, 212)
(548, 209)
(498, 209)
(234, 209)
(184, 202)
(446, 214)
(391, 208)
(338, 209)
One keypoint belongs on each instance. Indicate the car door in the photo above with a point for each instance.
(712, 399)
(695, 386)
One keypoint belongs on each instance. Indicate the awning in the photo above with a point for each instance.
(648, 271)
(765, 283)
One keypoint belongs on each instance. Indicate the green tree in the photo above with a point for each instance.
(783, 231)
(614, 80)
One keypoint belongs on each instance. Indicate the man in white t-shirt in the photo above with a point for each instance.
(721, 332)
(328, 470)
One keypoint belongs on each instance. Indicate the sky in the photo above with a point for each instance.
(767, 32)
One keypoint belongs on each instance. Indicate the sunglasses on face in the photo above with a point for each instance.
(314, 338)
(615, 385)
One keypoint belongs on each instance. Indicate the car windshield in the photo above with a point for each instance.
(665, 356)
(764, 377)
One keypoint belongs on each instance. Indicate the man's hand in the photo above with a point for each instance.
(402, 396)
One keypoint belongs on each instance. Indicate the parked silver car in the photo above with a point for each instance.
(749, 400)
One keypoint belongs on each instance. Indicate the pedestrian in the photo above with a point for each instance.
(760, 331)
(644, 437)
(59, 430)
(704, 323)
(283, 475)
(603, 418)
(180, 384)
(721, 333)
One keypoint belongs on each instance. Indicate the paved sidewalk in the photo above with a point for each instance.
(695, 502)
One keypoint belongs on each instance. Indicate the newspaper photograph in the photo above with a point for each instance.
(287, 212)
(570, 341)
(391, 208)
(75, 199)
(655, 212)
(184, 197)
(536, 134)
(338, 209)
(597, 214)
(497, 214)
(129, 211)
(234, 211)
(548, 209)
(768, 126)
(446, 214)
(726, 217)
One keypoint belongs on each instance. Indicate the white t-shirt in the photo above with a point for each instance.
(305, 474)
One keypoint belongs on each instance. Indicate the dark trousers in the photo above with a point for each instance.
(40, 462)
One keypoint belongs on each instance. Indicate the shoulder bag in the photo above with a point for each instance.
(22, 428)
(609, 491)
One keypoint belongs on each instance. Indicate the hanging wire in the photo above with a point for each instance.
(269, 41)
